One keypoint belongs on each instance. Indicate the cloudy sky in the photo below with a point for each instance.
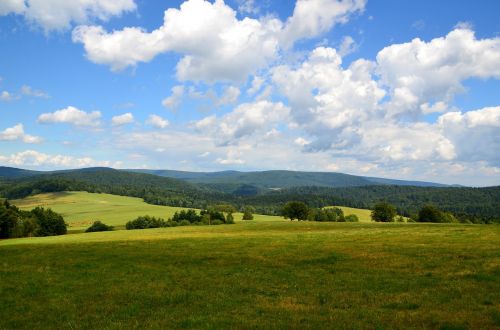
(398, 89)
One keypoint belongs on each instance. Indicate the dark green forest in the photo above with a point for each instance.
(478, 205)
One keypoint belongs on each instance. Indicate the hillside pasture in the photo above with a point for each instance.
(256, 274)
(81, 209)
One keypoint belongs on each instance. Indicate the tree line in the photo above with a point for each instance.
(477, 205)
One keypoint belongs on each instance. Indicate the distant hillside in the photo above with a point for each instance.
(269, 180)
(256, 189)
(14, 173)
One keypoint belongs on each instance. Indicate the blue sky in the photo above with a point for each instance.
(397, 89)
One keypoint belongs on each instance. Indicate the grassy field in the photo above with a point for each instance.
(81, 209)
(256, 275)
(268, 274)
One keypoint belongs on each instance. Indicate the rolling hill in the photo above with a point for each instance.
(280, 179)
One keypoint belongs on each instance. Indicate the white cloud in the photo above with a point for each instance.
(229, 95)
(301, 141)
(39, 159)
(29, 91)
(437, 107)
(313, 17)
(330, 103)
(248, 7)
(347, 46)
(6, 96)
(60, 14)
(257, 83)
(215, 44)
(246, 119)
(175, 99)
(421, 72)
(157, 121)
(73, 116)
(475, 134)
(124, 119)
(11, 6)
(17, 133)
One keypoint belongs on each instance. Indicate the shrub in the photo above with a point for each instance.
(383, 212)
(184, 223)
(217, 222)
(295, 210)
(400, 219)
(189, 215)
(145, 222)
(98, 226)
(329, 214)
(49, 222)
(247, 213)
(430, 213)
(351, 218)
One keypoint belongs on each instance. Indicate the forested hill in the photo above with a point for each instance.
(476, 204)
(266, 180)
(153, 189)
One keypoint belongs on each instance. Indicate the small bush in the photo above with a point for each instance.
(98, 226)
(400, 219)
(217, 222)
(351, 218)
(184, 223)
(146, 222)
(247, 213)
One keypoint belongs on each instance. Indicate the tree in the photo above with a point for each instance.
(98, 226)
(50, 223)
(295, 210)
(430, 213)
(383, 212)
(8, 220)
(247, 213)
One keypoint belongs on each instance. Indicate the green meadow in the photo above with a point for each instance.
(81, 209)
(263, 274)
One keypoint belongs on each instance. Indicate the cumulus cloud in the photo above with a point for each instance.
(60, 14)
(419, 72)
(71, 115)
(330, 102)
(347, 46)
(175, 99)
(229, 95)
(216, 45)
(246, 119)
(39, 159)
(312, 17)
(157, 121)
(17, 133)
(124, 119)
(475, 134)
(11, 6)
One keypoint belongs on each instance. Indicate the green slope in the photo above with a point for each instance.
(81, 209)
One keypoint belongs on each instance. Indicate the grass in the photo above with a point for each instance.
(256, 275)
(81, 209)
(269, 274)
(362, 214)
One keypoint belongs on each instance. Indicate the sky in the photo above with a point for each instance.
(397, 89)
